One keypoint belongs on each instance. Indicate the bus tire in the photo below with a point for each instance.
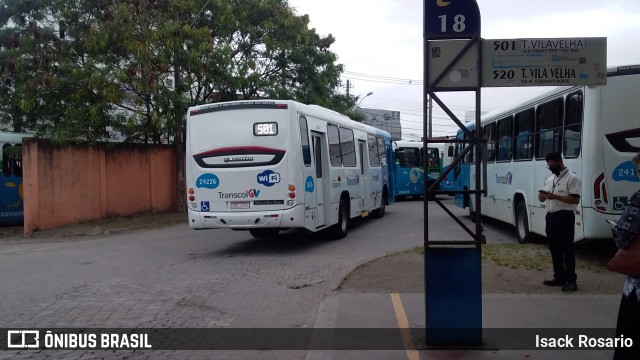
(522, 223)
(472, 216)
(379, 212)
(340, 230)
(264, 233)
(431, 196)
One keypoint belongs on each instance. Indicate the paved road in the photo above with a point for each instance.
(179, 278)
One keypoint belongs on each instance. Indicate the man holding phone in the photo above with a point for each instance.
(561, 191)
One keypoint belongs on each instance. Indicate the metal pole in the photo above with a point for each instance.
(430, 118)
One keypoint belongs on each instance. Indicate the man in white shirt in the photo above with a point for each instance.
(561, 191)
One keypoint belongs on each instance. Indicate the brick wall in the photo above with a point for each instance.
(74, 183)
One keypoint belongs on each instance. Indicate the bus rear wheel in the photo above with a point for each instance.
(340, 230)
(522, 223)
(264, 233)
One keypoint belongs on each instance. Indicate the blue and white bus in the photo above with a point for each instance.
(411, 169)
(268, 165)
(449, 154)
(597, 131)
(11, 193)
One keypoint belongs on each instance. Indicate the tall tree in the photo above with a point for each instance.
(77, 69)
(51, 85)
(28, 51)
(92, 69)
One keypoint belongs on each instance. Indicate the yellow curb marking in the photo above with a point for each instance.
(403, 324)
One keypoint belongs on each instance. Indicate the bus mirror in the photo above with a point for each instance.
(450, 150)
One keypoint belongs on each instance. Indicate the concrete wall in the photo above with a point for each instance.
(74, 183)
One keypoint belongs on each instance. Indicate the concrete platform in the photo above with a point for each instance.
(510, 325)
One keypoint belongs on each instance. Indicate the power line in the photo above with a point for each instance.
(380, 77)
(415, 121)
(380, 81)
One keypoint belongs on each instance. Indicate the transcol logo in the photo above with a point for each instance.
(268, 178)
(249, 194)
(504, 179)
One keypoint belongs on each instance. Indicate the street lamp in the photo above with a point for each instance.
(360, 102)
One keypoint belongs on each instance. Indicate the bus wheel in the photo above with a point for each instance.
(340, 230)
(379, 212)
(522, 224)
(264, 233)
(472, 216)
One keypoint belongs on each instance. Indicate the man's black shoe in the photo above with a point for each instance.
(553, 282)
(570, 287)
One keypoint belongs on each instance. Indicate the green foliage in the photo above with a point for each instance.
(112, 72)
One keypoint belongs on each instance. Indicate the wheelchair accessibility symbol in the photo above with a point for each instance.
(204, 206)
(620, 202)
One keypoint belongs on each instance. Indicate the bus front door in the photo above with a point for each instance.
(319, 187)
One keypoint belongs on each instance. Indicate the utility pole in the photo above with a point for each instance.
(348, 85)
(179, 113)
(430, 118)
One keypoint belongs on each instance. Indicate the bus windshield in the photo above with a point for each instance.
(408, 157)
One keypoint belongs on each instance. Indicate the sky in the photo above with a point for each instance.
(380, 44)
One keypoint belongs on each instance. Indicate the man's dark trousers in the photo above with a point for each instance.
(560, 231)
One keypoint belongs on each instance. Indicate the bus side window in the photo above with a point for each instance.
(489, 134)
(17, 160)
(573, 125)
(504, 139)
(372, 144)
(334, 145)
(523, 138)
(7, 160)
(347, 147)
(549, 128)
(469, 157)
(382, 152)
(304, 139)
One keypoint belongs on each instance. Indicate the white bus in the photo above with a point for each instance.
(597, 131)
(267, 165)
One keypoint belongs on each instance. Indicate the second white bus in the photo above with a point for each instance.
(597, 131)
(267, 165)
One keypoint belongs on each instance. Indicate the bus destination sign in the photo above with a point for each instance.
(544, 62)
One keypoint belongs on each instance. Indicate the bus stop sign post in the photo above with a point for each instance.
(453, 282)
(457, 59)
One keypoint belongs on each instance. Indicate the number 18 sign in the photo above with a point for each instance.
(451, 17)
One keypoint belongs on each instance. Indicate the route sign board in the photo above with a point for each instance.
(452, 17)
(544, 62)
